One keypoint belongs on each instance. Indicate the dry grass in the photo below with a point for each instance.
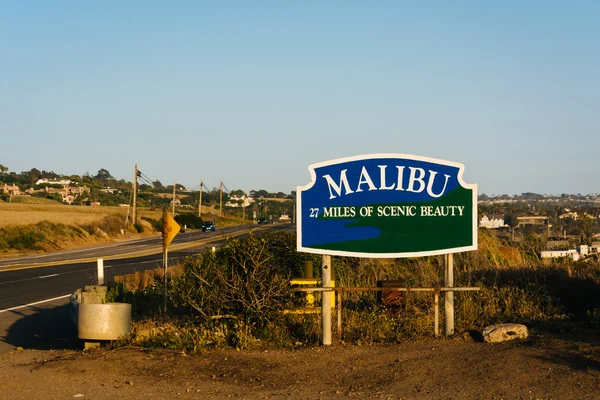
(28, 214)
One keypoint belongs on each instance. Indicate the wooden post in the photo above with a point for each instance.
(165, 262)
(326, 299)
(436, 302)
(134, 214)
(174, 186)
(200, 200)
(221, 198)
(100, 271)
(339, 314)
(449, 295)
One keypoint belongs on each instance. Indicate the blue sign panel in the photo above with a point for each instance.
(386, 205)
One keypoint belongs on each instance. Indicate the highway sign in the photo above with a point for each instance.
(386, 205)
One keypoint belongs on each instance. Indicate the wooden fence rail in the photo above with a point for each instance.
(436, 291)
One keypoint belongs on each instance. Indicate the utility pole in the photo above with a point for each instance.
(220, 198)
(135, 176)
(200, 200)
(174, 186)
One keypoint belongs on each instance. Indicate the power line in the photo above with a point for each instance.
(225, 188)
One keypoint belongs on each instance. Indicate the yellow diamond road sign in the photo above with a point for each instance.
(170, 229)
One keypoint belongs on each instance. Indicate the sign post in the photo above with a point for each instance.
(170, 230)
(449, 295)
(326, 299)
(100, 268)
(387, 206)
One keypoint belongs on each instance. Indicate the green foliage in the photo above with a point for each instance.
(110, 225)
(144, 304)
(41, 236)
(236, 296)
(190, 220)
(157, 224)
(240, 279)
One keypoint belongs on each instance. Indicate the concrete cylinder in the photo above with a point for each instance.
(103, 321)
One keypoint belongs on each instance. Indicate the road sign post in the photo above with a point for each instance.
(100, 267)
(170, 229)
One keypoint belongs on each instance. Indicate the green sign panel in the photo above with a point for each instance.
(386, 205)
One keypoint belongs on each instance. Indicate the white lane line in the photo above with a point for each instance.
(34, 304)
(47, 276)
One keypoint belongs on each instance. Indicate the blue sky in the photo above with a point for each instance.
(251, 93)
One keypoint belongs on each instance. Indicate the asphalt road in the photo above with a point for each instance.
(34, 291)
(28, 280)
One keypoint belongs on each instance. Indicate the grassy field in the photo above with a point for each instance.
(32, 225)
(27, 214)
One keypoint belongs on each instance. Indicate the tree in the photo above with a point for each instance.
(237, 193)
(49, 175)
(30, 177)
(103, 175)
(157, 184)
(3, 169)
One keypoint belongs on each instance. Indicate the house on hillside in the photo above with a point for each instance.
(68, 193)
(109, 190)
(492, 222)
(572, 253)
(532, 220)
(13, 190)
(62, 182)
(572, 215)
(242, 201)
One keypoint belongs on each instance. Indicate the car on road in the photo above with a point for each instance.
(208, 226)
(262, 220)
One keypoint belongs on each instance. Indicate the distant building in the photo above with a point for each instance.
(234, 201)
(492, 222)
(109, 190)
(572, 215)
(13, 190)
(68, 193)
(62, 182)
(532, 220)
(561, 254)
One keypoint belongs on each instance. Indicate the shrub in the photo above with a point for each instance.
(237, 295)
(156, 224)
(111, 225)
(139, 228)
(239, 280)
(192, 221)
(43, 236)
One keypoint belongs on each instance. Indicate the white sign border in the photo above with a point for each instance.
(312, 167)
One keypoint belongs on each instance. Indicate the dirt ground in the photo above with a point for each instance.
(545, 366)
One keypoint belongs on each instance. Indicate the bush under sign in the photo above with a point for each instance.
(386, 205)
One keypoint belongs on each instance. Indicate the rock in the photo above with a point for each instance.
(503, 332)
(19, 348)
